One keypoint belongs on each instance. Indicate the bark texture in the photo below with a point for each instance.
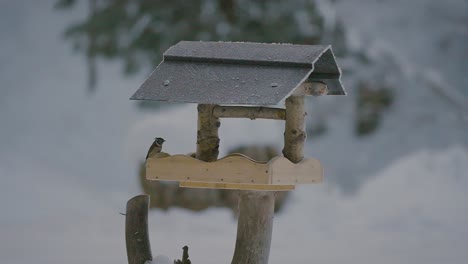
(311, 88)
(254, 228)
(249, 112)
(136, 230)
(207, 133)
(294, 134)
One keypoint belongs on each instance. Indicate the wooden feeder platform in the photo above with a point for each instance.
(235, 171)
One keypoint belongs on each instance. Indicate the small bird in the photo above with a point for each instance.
(155, 147)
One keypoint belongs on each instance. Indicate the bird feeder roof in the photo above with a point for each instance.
(238, 73)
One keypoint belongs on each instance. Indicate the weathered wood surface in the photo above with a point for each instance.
(283, 171)
(234, 169)
(249, 112)
(237, 186)
(254, 228)
(207, 133)
(294, 134)
(136, 230)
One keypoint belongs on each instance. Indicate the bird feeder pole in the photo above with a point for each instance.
(254, 227)
(256, 208)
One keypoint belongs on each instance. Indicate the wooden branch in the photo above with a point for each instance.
(185, 257)
(136, 230)
(249, 112)
(207, 134)
(294, 134)
(255, 227)
(311, 88)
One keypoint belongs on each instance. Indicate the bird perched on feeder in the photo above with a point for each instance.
(155, 147)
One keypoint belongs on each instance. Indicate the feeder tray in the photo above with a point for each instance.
(235, 171)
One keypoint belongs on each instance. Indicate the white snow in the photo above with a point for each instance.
(160, 259)
(414, 211)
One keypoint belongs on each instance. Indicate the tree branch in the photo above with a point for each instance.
(249, 112)
(185, 257)
(136, 230)
(207, 134)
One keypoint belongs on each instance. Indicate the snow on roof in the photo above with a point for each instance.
(238, 73)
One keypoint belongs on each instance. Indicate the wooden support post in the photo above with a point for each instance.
(294, 134)
(254, 227)
(136, 230)
(311, 88)
(207, 133)
(249, 112)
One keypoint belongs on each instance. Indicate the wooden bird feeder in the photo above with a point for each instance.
(240, 80)
(236, 80)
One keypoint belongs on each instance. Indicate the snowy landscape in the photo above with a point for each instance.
(69, 161)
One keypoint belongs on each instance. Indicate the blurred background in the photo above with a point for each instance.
(395, 150)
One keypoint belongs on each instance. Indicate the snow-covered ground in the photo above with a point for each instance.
(68, 161)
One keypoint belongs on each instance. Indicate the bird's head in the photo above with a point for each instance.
(159, 141)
